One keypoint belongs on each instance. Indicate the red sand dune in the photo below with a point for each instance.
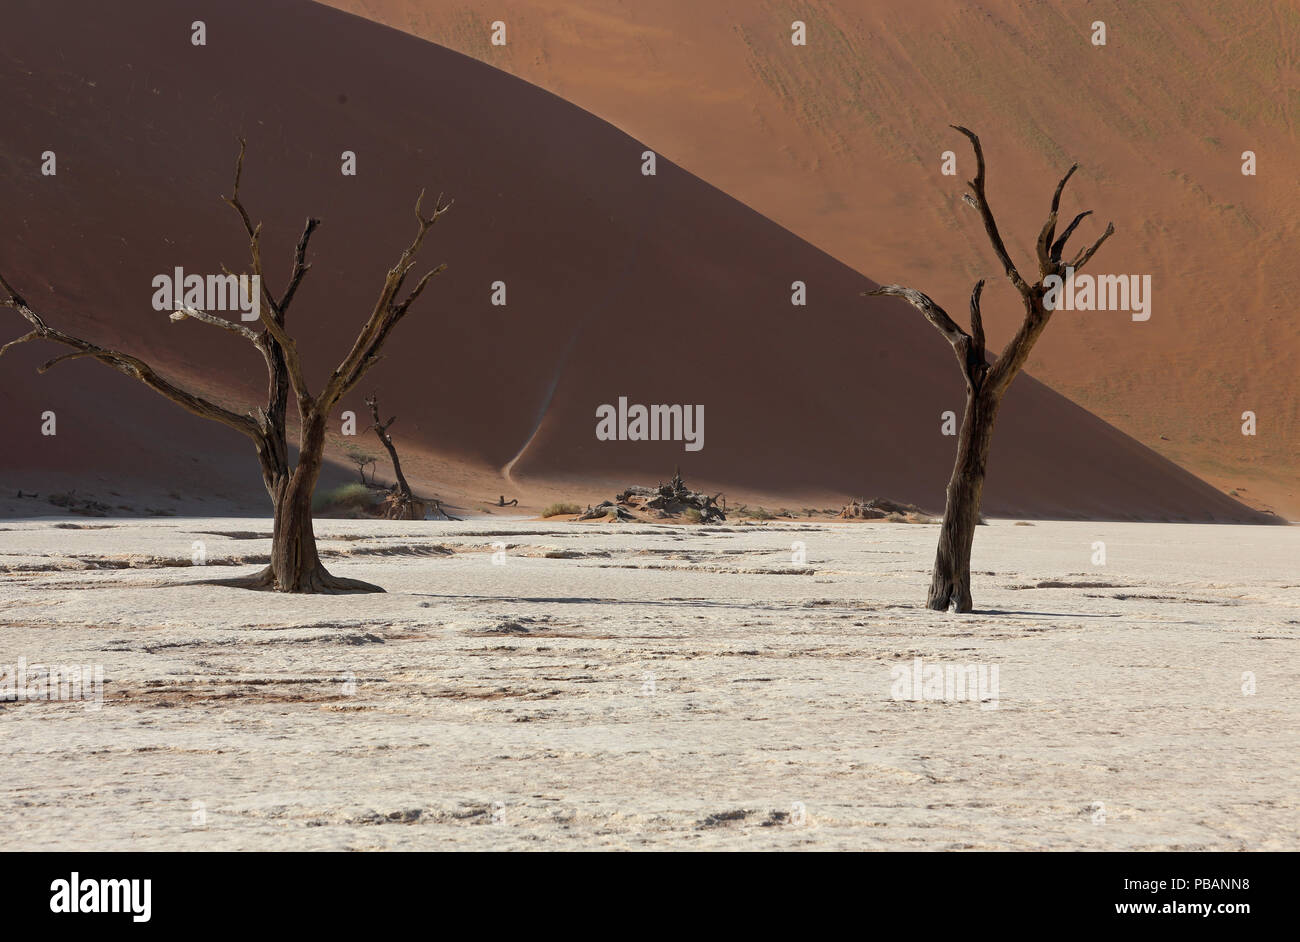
(840, 140)
(662, 289)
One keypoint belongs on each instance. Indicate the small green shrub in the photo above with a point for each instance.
(346, 497)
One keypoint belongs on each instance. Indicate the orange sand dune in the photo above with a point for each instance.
(661, 289)
(840, 141)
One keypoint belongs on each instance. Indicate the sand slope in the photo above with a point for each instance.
(659, 288)
(840, 142)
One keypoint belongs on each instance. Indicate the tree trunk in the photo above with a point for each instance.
(403, 488)
(400, 504)
(295, 565)
(950, 585)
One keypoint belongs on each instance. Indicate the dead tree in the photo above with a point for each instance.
(295, 565)
(987, 381)
(400, 504)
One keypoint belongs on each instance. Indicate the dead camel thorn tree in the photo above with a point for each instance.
(400, 504)
(987, 382)
(295, 565)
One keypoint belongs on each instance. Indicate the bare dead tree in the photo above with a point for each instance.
(987, 381)
(295, 565)
(400, 504)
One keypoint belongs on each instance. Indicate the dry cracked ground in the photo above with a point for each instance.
(561, 686)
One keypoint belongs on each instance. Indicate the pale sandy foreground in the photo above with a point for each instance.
(653, 687)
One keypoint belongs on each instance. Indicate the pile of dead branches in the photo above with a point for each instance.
(673, 499)
(877, 508)
(882, 508)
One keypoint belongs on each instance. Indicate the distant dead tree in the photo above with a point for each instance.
(987, 382)
(295, 565)
(400, 504)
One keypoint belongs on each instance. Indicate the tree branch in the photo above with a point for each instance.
(44, 367)
(126, 364)
(386, 313)
(1059, 245)
(923, 303)
(419, 287)
(189, 313)
(272, 316)
(424, 224)
(300, 267)
(1016, 352)
(30, 335)
(962, 344)
(1046, 265)
(1083, 257)
(977, 322)
(986, 213)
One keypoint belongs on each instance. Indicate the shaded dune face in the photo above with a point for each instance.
(661, 289)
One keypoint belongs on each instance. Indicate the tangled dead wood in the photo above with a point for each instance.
(666, 501)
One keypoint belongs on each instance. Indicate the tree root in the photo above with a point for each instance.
(317, 582)
(949, 594)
